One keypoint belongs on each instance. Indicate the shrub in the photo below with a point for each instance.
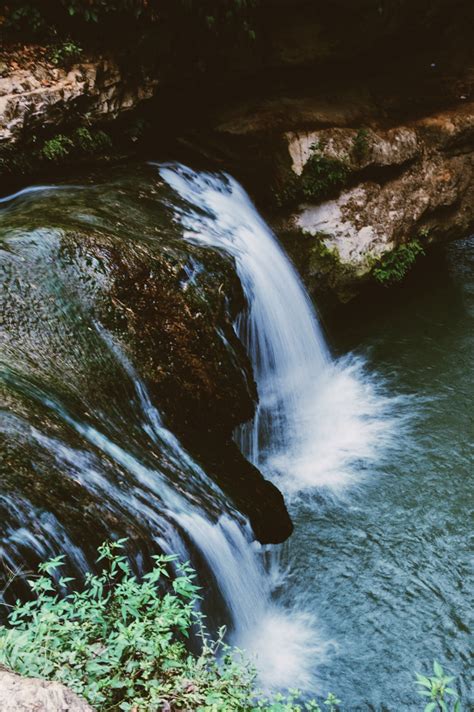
(65, 54)
(81, 141)
(91, 141)
(57, 148)
(120, 642)
(394, 266)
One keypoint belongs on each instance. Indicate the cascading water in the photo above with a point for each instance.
(85, 455)
(315, 419)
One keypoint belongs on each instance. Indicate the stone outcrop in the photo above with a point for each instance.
(24, 694)
(45, 95)
(412, 182)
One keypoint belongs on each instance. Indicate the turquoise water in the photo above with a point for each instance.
(387, 567)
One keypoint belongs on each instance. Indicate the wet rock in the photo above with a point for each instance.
(109, 253)
(24, 694)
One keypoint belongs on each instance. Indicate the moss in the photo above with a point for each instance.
(360, 144)
(393, 267)
(322, 176)
(323, 258)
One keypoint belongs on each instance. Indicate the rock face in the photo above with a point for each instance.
(23, 694)
(118, 259)
(43, 95)
(410, 183)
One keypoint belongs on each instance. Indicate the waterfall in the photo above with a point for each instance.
(316, 417)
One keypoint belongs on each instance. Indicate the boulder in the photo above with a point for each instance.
(27, 694)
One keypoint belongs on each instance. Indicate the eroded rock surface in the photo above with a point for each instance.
(25, 694)
(33, 98)
(410, 182)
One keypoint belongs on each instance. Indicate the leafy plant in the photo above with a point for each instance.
(91, 141)
(322, 175)
(81, 141)
(120, 641)
(360, 144)
(65, 54)
(57, 148)
(393, 267)
(25, 17)
(437, 689)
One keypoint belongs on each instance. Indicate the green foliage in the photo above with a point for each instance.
(65, 54)
(120, 642)
(322, 175)
(82, 141)
(91, 141)
(57, 148)
(360, 144)
(437, 689)
(393, 267)
(25, 17)
(424, 232)
(95, 10)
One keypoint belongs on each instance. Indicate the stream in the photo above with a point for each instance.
(368, 436)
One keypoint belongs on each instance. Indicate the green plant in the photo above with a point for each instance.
(81, 141)
(322, 175)
(65, 54)
(424, 232)
(57, 148)
(394, 266)
(25, 17)
(91, 141)
(360, 144)
(437, 689)
(120, 641)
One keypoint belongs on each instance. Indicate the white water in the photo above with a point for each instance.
(316, 419)
(317, 422)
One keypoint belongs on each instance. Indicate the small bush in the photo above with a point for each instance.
(393, 267)
(82, 141)
(65, 54)
(120, 642)
(91, 141)
(57, 148)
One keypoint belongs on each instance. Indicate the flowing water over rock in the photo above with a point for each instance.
(371, 585)
(317, 420)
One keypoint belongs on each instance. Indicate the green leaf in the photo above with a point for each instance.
(438, 670)
(430, 707)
